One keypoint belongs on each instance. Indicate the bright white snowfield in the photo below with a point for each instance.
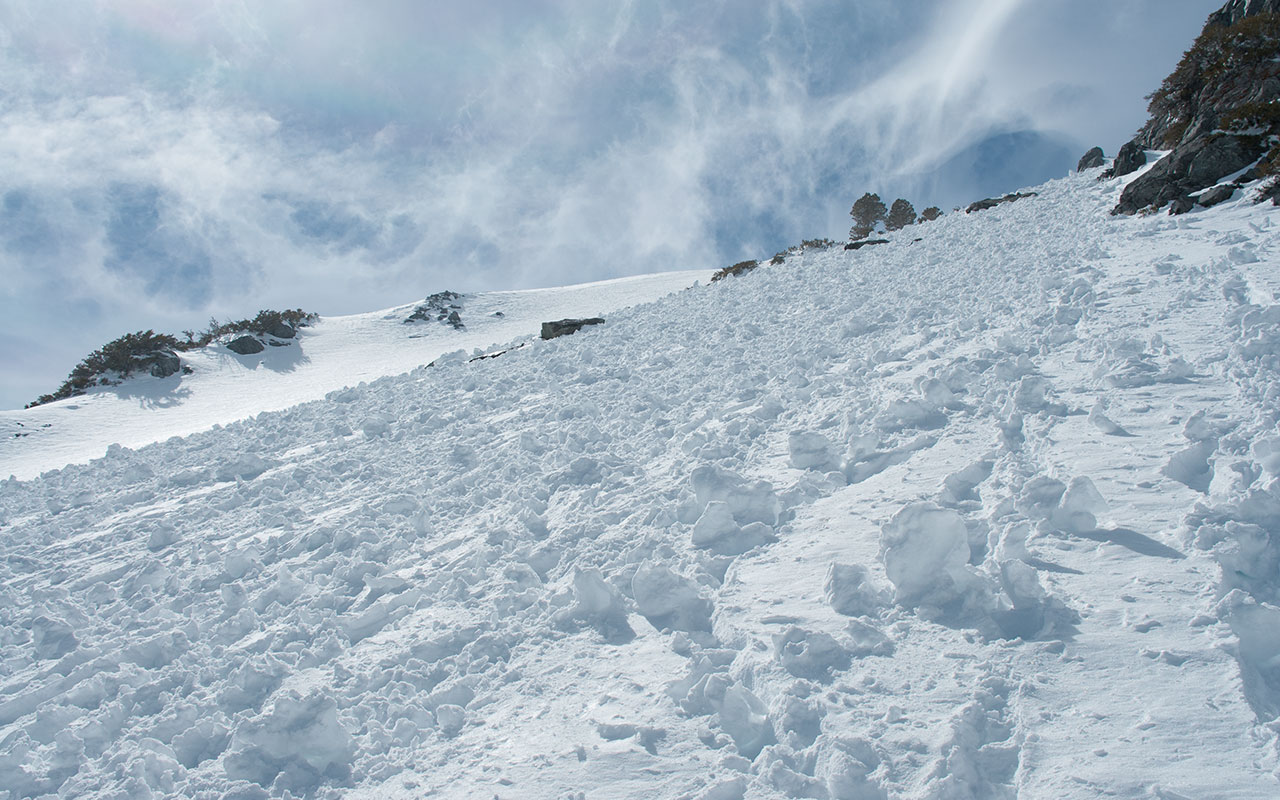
(991, 514)
(335, 353)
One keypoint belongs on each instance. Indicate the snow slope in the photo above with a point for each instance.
(335, 353)
(993, 513)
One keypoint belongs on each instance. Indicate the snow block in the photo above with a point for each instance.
(669, 600)
(925, 550)
(748, 501)
(850, 590)
(810, 654)
(744, 717)
(809, 450)
(296, 745)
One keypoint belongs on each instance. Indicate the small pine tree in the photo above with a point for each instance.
(868, 211)
(930, 214)
(900, 216)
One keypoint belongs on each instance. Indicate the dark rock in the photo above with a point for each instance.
(281, 330)
(1191, 166)
(1248, 176)
(865, 243)
(992, 202)
(1132, 156)
(1218, 194)
(1181, 205)
(164, 364)
(564, 327)
(1092, 160)
(442, 307)
(245, 346)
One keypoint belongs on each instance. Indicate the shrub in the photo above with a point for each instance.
(741, 268)
(930, 214)
(120, 358)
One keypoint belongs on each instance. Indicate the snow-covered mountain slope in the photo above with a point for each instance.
(993, 513)
(335, 353)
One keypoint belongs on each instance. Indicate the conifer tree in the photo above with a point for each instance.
(868, 211)
(900, 216)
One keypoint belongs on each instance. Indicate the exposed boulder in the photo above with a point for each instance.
(864, 243)
(1216, 195)
(1092, 160)
(281, 330)
(1181, 205)
(992, 202)
(564, 327)
(245, 346)
(165, 363)
(1130, 158)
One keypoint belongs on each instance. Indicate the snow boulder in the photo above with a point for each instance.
(809, 450)
(748, 501)
(850, 590)
(810, 654)
(744, 717)
(298, 744)
(598, 605)
(669, 600)
(925, 550)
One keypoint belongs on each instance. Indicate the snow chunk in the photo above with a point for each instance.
(809, 450)
(926, 556)
(744, 717)
(747, 501)
(810, 654)
(669, 600)
(850, 590)
(296, 745)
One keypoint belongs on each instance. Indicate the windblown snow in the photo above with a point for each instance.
(991, 512)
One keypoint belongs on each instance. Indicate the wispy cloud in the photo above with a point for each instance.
(167, 161)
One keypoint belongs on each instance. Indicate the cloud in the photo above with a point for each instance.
(168, 161)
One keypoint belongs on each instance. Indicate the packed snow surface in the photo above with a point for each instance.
(990, 511)
(332, 354)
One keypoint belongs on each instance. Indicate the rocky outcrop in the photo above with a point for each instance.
(445, 307)
(245, 346)
(992, 202)
(1217, 112)
(1188, 169)
(1216, 195)
(164, 364)
(1092, 160)
(564, 327)
(1236, 10)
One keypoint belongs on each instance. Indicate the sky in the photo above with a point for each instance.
(164, 162)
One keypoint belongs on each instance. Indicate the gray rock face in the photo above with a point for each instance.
(1236, 10)
(1092, 160)
(165, 364)
(1191, 166)
(1216, 195)
(564, 327)
(1132, 156)
(245, 346)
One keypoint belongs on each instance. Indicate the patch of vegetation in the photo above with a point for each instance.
(741, 268)
(263, 324)
(148, 351)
